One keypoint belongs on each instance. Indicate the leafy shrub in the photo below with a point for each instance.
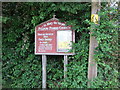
(22, 68)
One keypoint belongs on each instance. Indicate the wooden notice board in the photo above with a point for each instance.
(53, 38)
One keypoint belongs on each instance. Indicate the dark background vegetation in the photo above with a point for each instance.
(22, 68)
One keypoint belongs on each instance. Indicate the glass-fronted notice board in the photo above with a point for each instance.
(54, 38)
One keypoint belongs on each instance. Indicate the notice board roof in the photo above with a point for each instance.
(47, 21)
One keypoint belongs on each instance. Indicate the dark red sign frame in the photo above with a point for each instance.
(46, 37)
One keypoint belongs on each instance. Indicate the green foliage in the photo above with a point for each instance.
(22, 68)
(106, 54)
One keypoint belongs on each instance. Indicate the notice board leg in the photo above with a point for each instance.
(65, 63)
(44, 60)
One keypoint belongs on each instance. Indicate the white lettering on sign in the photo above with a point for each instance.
(55, 22)
(39, 28)
(51, 23)
(39, 34)
(54, 28)
(44, 25)
(49, 34)
(44, 47)
(59, 23)
(49, 39)
(40, 39)
(45, 36)
(44, 42)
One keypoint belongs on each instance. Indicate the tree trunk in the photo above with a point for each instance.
(92, 66)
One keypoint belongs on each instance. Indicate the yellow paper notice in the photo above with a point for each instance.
(64, 45)
(94, 18)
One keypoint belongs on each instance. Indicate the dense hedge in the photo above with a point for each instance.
(22, 68)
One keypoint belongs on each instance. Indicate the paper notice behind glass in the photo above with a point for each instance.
(64, 41)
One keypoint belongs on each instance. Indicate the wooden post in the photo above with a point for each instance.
(44, 59)
(92, 66)
(65, 63)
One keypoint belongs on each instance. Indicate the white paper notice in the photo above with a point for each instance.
(64, 40)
